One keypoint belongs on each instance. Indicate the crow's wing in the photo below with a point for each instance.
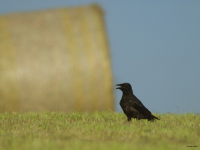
(136, 104)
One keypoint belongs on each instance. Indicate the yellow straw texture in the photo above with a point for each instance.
(55, 60)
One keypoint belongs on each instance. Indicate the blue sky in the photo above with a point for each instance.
(155, 46)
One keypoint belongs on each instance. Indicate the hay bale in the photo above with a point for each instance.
(55, 60)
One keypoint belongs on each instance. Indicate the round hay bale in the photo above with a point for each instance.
(55, 60)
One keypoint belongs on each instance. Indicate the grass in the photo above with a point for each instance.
(95, 131)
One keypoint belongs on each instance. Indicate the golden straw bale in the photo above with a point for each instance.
(55, 60)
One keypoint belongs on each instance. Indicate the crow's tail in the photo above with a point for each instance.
(154, 117)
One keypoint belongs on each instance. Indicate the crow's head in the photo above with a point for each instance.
(124, 87)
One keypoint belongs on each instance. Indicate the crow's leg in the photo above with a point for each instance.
(129, 118)
(138, 116)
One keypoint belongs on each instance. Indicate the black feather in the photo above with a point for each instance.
(132, 106)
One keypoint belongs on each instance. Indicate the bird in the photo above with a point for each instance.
(132, 106)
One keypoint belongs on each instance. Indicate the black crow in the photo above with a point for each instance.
(132, 106)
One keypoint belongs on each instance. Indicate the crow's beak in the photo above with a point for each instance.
(120, 86)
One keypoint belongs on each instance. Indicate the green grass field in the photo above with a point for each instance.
(99, 130)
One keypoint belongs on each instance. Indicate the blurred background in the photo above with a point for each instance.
(155, 46)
